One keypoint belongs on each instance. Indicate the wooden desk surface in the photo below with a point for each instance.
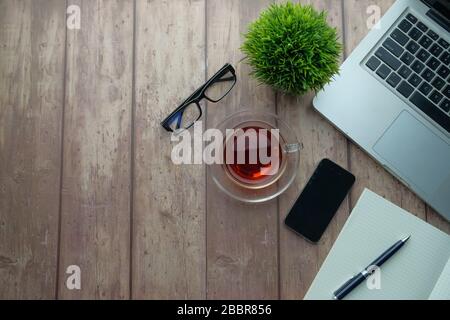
(85, 172)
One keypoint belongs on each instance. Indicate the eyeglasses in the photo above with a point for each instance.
(214, 90)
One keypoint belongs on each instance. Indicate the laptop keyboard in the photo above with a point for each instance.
(415, 62)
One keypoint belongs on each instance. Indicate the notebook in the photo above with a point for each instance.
(419, 270)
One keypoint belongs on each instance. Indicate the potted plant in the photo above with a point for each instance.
(292, 48)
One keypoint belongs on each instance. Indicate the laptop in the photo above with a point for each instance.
(392, 97)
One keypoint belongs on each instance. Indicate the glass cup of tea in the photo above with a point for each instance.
(260, 154)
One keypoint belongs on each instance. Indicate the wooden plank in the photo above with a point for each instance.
(436, 220)
(299, 259)
(369, 173)
(95, 227)
(32, 35)
(241, 239)
(169, 202)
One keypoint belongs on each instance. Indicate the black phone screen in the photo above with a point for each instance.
(319, 200)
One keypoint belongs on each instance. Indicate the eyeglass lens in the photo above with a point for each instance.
(185, 117)
(220, 87)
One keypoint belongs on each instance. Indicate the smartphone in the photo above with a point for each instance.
(319, 200)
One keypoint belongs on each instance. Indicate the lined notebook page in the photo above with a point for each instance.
(441, 290)
(374, 225)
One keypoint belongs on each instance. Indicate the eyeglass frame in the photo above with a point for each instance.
(199, 95)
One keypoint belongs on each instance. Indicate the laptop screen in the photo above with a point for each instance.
(441, 6)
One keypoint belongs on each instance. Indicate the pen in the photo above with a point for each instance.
(351, 284)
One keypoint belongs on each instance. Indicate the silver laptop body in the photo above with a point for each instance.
(394, 109)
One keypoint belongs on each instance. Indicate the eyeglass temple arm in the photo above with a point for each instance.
(225, 79)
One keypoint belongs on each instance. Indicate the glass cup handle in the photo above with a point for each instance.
(292, 147)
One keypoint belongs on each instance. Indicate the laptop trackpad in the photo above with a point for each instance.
(416, 153)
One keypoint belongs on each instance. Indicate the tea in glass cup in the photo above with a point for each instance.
(260, 154)
(256, 159)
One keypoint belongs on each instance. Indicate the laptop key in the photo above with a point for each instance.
(425, 42)
(417, 66)
(405, 25)
(415, 80)
(388, 58)
(427, 74)
(445, 58)
(445, 105)
(438, 83)
(446, 91)
(427, 107)
(444, 43)
(436, 96)
(407, 58)
(393, 47)
(383, 71)
(433, 35)
(412, 47)
(423, 55)
(394, 79)
(436, 50)
(425, 88)
(433, 63)
(399, 36)
(373, 63)
(443, 71)
(405, 89)
(411, 18)
(405, 72)
(422, 26)
(415, 33)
